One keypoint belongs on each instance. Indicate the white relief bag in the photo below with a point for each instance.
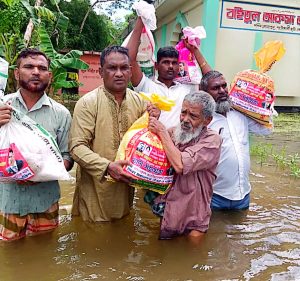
(145, 56)
(28, 152)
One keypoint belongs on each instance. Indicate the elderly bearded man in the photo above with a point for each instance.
(193, 150)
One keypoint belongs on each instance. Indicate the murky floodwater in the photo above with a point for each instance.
(260, 244)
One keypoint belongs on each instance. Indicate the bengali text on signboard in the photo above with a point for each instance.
(260, 17)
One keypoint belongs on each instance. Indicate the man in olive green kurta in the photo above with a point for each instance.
(100, 120)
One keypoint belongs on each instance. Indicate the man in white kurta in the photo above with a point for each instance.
(232, 187)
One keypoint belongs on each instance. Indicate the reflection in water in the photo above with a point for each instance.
(262, 243)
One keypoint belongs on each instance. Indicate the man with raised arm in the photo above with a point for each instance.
(232, 187)
(167, 68)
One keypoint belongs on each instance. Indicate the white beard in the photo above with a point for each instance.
(223, 106)
(183, 137)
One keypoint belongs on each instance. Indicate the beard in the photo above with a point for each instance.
(223, 107)
(41, 87)
(183, 137)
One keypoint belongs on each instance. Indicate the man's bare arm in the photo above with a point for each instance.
(133, 46)
(203, 64)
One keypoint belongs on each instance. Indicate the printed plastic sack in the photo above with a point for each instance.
(146, 10)
(3, 75)
(149, 164)
(29, 152)
(145, 55)
(252, 92)
(189, 71)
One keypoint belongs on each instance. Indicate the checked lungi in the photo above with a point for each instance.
(13, 226)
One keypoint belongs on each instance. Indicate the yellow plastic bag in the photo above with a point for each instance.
(149, 165)
(252, 92)
(271, 52)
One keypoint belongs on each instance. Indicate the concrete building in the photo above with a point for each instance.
(231, 50)
(90, 79)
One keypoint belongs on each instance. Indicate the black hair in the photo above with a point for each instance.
(28, 52)
(167, 52)
(213, 74)
(112, 49)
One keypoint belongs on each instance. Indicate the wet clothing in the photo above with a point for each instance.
(13, 227)
(99, 124)
(177, 92)
(220, 203)
(187, 203)
(234, 166)
(158, 208)
(26, 198)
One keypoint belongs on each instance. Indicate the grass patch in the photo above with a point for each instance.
(287, 123)
(267, 153)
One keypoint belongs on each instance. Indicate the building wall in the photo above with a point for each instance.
(231, 51)
(90, 78)
(239, 45)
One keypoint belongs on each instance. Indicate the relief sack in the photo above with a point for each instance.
(28, 152)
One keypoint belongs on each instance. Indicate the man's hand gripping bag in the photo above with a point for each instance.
(28, 152)
(252, 92)
(149, 165)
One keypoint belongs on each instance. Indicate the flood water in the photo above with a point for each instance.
(262, 243)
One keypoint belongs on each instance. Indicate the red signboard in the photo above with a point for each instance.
(90, 78)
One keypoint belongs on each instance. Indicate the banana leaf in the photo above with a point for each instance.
(45, 42)
(73, 63)
(31, 11)
(62, 23)
(54, 2)
(64, 84)
(76, 54)
(9, 2)
(43, 12)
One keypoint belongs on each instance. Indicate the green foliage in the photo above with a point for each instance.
(280, 158)
(98, 31)
(10, 46)
(13, 19)
(62, 22)
(266, 153)
(12, 25)
(285, 123)
(119, 4)
(56, 22)
(294, 165)
(261, 151)
(54, 31)
(9, 3)
(43, 12)
(60, 63)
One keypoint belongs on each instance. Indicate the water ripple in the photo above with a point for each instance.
(262, 263)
